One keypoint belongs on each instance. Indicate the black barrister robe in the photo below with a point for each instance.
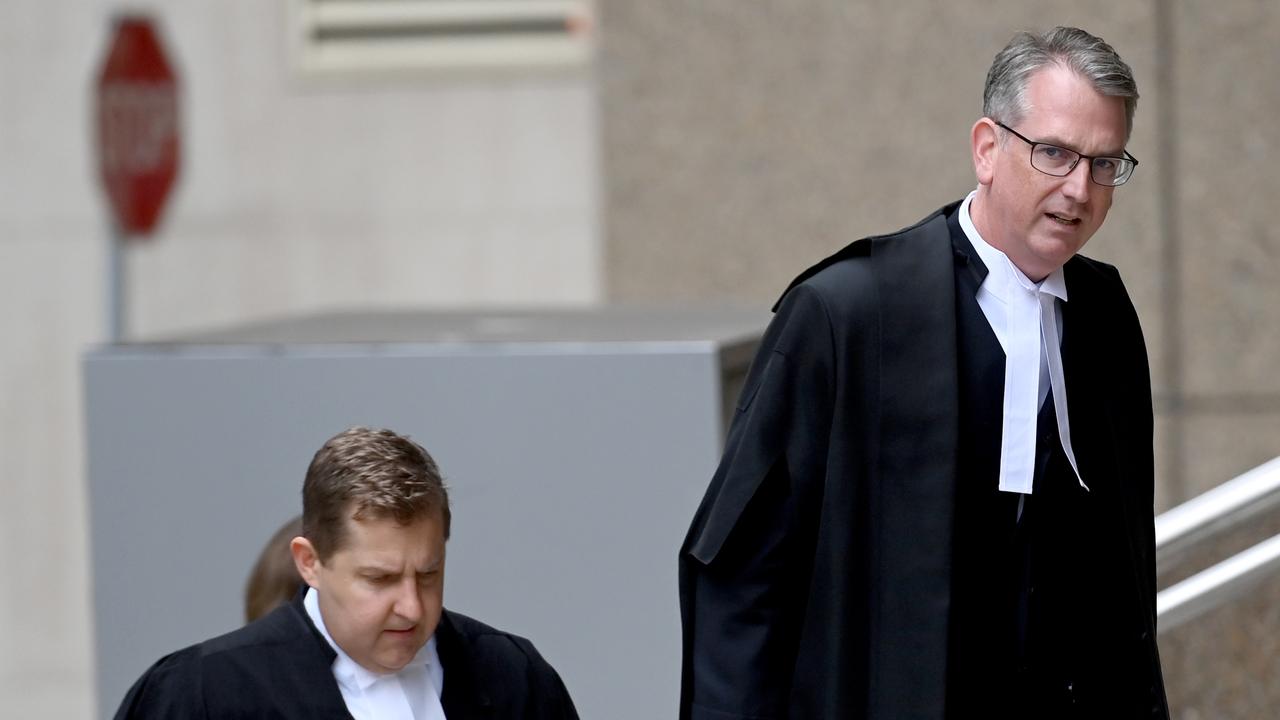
(816, 578)
(281, 667)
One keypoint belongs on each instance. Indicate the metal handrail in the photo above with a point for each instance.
(1223, 508)
(1210, 588)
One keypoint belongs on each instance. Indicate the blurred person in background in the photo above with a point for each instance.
(937, 494)
(274, 579)
(369, 637)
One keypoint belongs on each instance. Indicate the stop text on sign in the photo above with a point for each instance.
(139, 127)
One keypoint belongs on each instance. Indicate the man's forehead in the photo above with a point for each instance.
(373, 533)
(1065, 109)
(1092, 148)
(386, 558)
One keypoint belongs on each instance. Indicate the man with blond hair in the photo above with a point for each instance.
(369, 637)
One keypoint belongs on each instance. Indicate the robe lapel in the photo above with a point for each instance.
(918, 436)
(1091, 436)
(1091, 411)
(461, 696)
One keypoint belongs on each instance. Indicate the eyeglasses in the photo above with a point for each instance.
(1060, 161)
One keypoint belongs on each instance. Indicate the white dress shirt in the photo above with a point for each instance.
(413, 693)
(1024, 317)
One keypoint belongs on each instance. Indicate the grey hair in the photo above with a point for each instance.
(1089, 56)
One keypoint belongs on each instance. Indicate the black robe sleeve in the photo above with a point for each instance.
(746, 561)
(172, 688)
(1136, 435)
(278, 666)
(494, 674)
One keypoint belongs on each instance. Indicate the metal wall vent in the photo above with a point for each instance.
(362, 36)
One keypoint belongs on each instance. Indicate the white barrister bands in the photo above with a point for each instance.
(1023, 315)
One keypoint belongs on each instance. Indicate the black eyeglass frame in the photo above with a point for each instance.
(1079, 156)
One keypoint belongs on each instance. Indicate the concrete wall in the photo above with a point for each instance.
(442, 190)
(1223, 664)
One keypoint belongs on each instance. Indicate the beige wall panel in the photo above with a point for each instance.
(1228, 98)
(1164, 497)
(514, 258)
(51, 255)
(743, 143)
(1221, 446)
(45, 669)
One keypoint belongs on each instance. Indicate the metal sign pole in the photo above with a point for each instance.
(116, 285)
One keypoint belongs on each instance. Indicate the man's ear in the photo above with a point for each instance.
(985, 144)
(305, 560)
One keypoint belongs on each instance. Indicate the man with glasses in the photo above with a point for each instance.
(936, 498)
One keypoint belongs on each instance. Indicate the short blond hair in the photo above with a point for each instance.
(368, 473)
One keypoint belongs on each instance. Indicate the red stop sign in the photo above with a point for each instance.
(137, 125)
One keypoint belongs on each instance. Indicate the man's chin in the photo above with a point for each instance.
(394, 661)
(1054, 250)
(401, 649)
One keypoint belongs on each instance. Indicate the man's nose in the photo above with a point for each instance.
(408, 602)
(1076, 184)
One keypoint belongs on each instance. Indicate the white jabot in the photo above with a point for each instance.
(413, 693)
(1024, 317)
